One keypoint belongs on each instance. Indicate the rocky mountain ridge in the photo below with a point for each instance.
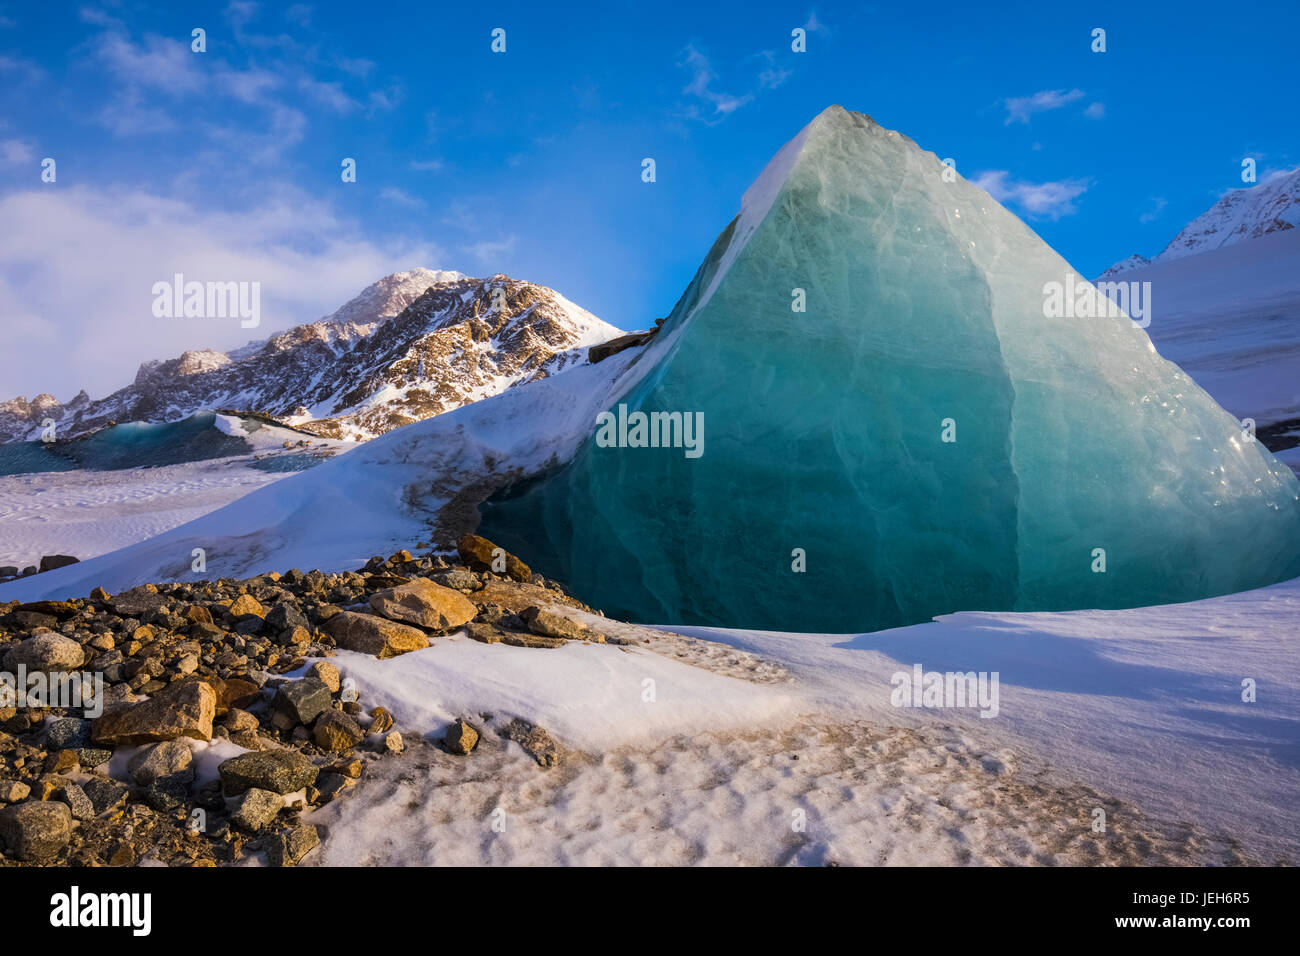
(410, 346)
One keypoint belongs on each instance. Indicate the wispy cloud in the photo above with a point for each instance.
(1152, 212)
(1095, 110)
(490, 251)
(400, 196)
(1048, 200)
(1021, 108)
(701, 86)
(814, 25)
(15, 152)
(772, 75)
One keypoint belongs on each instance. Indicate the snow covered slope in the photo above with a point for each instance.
(1230, 318)
(1145, 702)
(1142, 705)
(1242, 214)
(407, 485)
(411, 345)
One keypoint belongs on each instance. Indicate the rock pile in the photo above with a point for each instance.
(195, 665)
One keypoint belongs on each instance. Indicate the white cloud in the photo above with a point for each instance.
(14, 152)
(1021, 108)
(1049, 200)
(814, 25)
(490, 252)
(77, 268)
(701, 85)
(1153, 213)
(771, 76)
(400, 196)
(1095, 110)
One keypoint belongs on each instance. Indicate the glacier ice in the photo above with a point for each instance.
(1086, 471)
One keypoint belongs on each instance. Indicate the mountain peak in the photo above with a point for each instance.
(1239, 215)
(408, 346)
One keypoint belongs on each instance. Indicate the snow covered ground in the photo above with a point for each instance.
(87, 513)
(764, 748)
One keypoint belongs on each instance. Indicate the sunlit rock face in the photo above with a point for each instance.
(1080, 468)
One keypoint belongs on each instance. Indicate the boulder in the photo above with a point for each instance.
(425, 604)
(78, 803)
(46, 652)
(233, 692)
(459, 579)
(280, 771)
(36, 831)
(290, 846)
(51, 561)
(104, 794)
(67, 732)
(285, 617)
(327, 674)
(257, 810)
(551, 623)
(300, 702)
(246, 604)
(480, 554)
(182, 709)
(370, 634)
(336, 732)
(161, 760)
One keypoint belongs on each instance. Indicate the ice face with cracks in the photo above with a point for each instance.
(923, 437)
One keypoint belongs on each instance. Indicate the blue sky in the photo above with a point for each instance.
(226, 164)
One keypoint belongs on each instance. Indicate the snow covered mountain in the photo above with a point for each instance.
(412, 345)
(1246, 213)
(1230, 318)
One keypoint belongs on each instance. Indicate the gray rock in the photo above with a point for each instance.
(168, 793)
(300, 702)
(280, 771)
(539, 744)
(257, 810)
(77, 801)
(36, 831)
(284, 617)
(288, 847)
(459, 579)
(90, 757)
(104, 794)
(51, 561)
(67, 733)
(46, 652)
(161, 760)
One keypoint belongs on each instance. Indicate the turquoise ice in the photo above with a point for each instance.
(1086, 470)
